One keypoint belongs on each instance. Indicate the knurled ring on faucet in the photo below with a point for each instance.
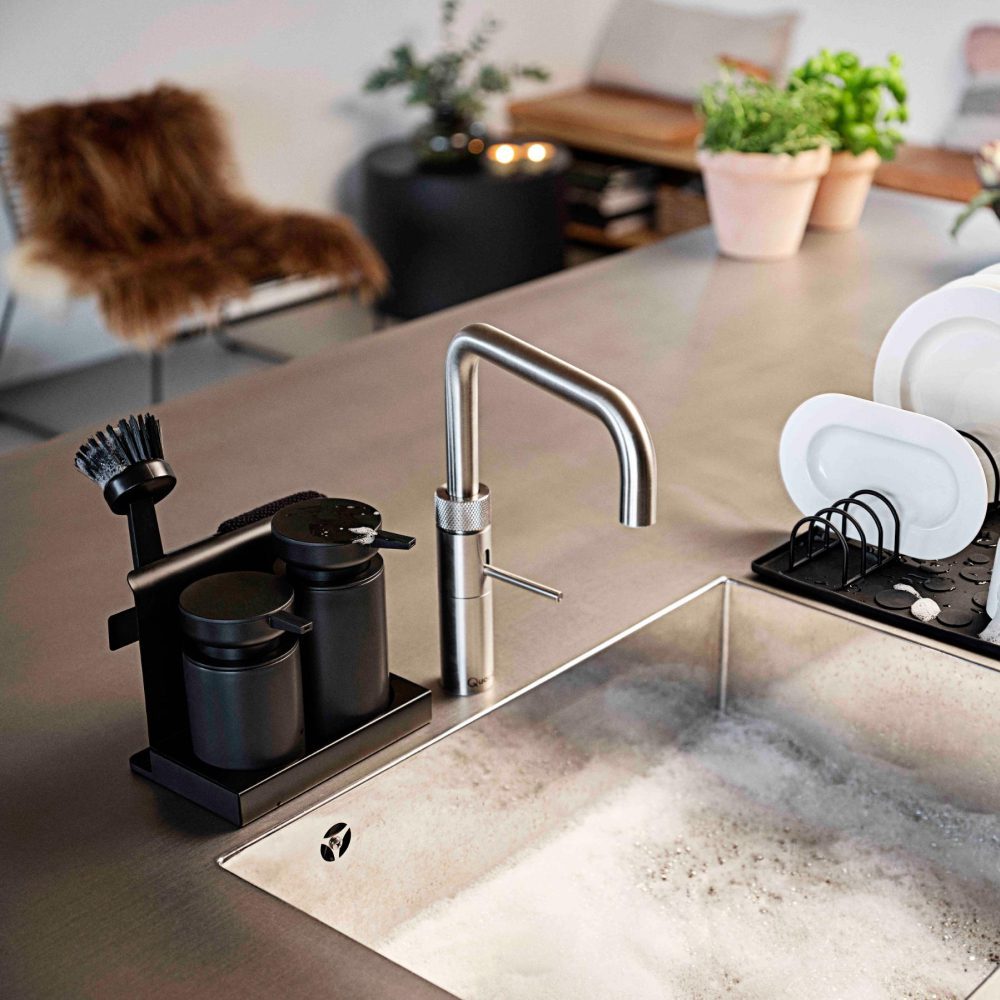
(463, 517)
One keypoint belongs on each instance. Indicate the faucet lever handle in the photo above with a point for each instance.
(523, 582)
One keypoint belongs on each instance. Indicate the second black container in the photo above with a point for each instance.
(330, 549)
(241, 670)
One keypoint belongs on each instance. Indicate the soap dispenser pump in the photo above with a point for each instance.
(330, 547)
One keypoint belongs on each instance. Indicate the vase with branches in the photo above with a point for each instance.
(455, 84)
(987, 163)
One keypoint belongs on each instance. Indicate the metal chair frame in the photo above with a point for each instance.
(12, 203)
(16, 214)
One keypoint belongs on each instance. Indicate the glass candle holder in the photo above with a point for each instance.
(503, 158)
(537, 157)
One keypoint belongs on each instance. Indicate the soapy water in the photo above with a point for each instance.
(742, 864)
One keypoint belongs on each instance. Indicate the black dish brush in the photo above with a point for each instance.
(126, 461)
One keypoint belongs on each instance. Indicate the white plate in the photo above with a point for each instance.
(833, 445)
(988, 276)
(942, 358)
(986, 279)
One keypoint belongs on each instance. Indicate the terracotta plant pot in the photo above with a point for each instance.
(760, 202)
(841, 197)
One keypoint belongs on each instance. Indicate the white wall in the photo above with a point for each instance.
(289, 73)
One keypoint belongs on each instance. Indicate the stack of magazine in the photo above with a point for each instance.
(617, 198)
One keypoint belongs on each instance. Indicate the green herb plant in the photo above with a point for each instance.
(455, 80)
(746, 115)
(865, 102)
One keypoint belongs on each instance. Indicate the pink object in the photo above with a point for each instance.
(760, 202)
(982, 49)
(842, 193)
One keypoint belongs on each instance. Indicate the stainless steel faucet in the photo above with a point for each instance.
(465, 566)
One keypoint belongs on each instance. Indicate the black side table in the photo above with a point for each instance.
(451, 237)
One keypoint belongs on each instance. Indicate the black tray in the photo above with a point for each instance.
(242, 796)
(821, 578)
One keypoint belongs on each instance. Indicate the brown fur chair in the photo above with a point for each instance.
(134, 201)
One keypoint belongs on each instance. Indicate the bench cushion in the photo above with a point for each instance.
(672, 50)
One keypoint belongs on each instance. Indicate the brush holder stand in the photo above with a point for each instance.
(238, 796)
(242, 670)
(330, 550)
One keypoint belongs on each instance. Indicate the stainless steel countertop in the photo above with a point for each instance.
(109, 886)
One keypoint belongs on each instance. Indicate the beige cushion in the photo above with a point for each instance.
(672, 50)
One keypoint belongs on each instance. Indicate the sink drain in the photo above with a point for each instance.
(336, 840)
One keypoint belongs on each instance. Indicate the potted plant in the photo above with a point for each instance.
(763, 150)
(987, 162)
(454, 85)
(865, 103)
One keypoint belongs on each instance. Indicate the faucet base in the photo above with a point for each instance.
(467, 635)
(465, 607)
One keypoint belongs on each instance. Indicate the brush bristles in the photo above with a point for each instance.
(111, 451)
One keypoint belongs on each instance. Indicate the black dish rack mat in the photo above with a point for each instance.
(820, 561)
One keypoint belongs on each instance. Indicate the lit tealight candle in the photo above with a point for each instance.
(538, 156)
(503, 158)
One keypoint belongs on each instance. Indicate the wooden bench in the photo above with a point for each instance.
(618, 122)
(664, 132)
(930, 170)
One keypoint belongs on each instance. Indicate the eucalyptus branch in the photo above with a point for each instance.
(985, 199)
(455, 77)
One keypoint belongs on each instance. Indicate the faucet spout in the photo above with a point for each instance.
(464, 521)
(636, 457)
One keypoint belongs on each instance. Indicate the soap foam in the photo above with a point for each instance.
(742, 864)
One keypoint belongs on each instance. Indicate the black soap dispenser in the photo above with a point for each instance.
(330, 547)
(242, 670)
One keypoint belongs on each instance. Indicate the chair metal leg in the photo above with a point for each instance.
(156, 376)
(224, 340)
(6, 318)
(20, 423)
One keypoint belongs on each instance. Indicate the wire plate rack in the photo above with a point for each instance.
(848, 555)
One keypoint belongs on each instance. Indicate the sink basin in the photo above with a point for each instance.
(745, 795)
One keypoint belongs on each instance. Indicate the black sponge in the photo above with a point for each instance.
(263, 512)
